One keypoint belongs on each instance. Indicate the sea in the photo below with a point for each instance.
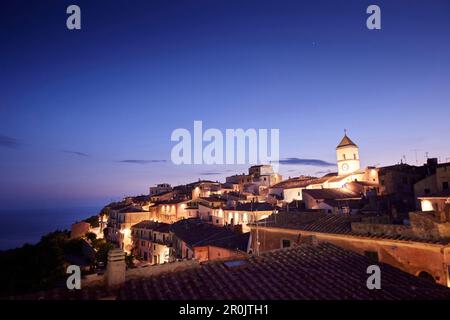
(18, 227)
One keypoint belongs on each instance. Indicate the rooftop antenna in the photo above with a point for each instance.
(345, 132)
(415, 152)
(426, 154)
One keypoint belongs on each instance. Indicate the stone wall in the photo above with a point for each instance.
(160, 268)
(143, 272)
(423, 225)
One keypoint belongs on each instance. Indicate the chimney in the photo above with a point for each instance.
(115, 269)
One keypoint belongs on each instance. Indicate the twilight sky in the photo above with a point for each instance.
(86, 116)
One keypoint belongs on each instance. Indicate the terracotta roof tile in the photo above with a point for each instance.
(195, 232)
(304, 272)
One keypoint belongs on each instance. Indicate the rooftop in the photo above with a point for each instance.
(297, 182)
(304, 273)
(252, 206)
(333, 194)
(161, 193)
(346, 141)
(197, 233)
(152, 225)
(131, 208)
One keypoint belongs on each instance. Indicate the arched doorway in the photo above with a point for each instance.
(425, 275)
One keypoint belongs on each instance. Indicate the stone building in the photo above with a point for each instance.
(120, 222)
(152, 241)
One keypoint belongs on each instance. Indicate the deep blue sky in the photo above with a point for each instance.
(74, 104)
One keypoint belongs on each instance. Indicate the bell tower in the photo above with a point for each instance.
(347, 153)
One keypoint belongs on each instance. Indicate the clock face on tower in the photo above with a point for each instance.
(344, 167)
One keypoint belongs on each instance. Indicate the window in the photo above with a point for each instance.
(373, 255)
(285, 243)
(354, 156)
(445, 185)
(382, 182)
(344, 156)
(427, 191)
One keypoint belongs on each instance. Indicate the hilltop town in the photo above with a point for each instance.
(395, 216)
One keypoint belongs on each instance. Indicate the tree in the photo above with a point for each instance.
(91, 236)
(129, 260)
(35, 267)
(102, 248)
(93, 221)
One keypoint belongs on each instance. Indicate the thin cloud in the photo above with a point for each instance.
(323, 172)
(9, 142)
(77, 153)
(209, 173)
(307, 162)
(139, 161)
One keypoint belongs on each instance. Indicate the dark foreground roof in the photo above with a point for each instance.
(305, 272)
